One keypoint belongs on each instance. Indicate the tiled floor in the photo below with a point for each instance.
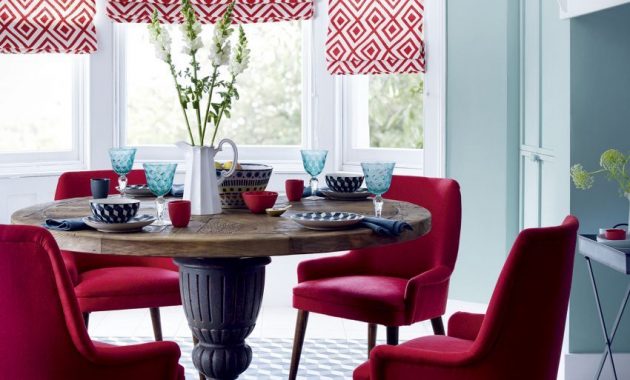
(273, 322)
(332, 349)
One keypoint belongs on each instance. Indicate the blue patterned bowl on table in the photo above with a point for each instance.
(114, 210)
(248, 177)
(344, 182)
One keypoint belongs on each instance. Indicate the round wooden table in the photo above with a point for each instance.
(222, 260)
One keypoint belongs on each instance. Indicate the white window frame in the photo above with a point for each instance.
(324, 118)
(282, 157)
(354, 125)
(44, 162)
(100, 99)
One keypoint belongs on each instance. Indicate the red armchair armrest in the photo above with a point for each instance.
(465, 325)
(327, 267)
(427, 293)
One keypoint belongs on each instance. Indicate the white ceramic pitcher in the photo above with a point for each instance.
(201, 186)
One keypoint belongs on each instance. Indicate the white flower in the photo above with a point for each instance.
(238, 64)
(161, 54)
(190, 46)
(192, 40)
(220, 54)
(161, 40)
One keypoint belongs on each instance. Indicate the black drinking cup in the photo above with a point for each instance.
(99, 187)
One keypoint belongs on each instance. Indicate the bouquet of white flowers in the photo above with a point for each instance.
(190, 84)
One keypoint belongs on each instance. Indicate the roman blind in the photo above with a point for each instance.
(375, 37)
(47, 26)
(210, 11)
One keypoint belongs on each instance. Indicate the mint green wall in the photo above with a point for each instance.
(482, 137)
(600, 119)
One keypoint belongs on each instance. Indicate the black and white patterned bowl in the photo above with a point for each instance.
(250, 177)
(114, 210)
(344, 182)
(327, 220)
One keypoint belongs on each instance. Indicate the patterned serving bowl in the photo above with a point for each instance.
(114, 210)
(248, 177)
(344, 182)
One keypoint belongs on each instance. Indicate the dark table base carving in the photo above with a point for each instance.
(221, 299)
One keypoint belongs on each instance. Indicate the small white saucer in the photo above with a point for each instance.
(134, 225)
(355, 196)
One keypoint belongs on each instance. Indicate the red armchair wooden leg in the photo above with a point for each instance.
(438, 326)
(157, 323)
(298, 342)
(372, 331)
(392, 335)
(86, 319)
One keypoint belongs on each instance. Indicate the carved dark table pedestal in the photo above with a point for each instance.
(221, 299)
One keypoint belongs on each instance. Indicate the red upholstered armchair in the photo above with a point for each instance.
(396, 285)
(110, 282)
(42, 335)
(519, 338)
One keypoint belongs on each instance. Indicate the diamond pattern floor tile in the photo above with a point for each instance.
(322, 359)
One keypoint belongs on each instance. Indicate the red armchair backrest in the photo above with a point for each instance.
(524, 326)
(41, 329)
(439, 247)
(77, 184)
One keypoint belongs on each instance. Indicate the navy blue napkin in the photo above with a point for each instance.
(177, 191)
(386, 227)
(70, 224)
(307, 192)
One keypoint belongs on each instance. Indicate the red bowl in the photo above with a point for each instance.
(615, 234)
(258, 201)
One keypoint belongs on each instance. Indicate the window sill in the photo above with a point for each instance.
(11, 171)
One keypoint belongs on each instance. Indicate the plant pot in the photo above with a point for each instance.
(201, 186)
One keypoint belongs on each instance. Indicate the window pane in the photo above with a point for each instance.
(396, 111)
(36, 103)
(267, 113)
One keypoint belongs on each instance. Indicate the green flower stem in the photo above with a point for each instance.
(217, 121)
(197, 95)
(179, 98)
(211, 92)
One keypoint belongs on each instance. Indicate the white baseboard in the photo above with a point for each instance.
(584, 366)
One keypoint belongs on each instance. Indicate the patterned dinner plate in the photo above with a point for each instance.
(327, 220)
(134, 225)
(137, 191)
(358, 195)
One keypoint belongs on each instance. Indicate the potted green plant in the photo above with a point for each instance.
(613, 164)
(205, 100)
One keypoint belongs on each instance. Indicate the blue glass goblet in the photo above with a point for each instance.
(378, 178)
(314, 161)
(160, 182)
(122, 163)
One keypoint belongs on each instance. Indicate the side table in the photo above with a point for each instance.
(616, 260)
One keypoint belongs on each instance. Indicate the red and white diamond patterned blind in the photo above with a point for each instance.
(47, 26)
(210, 11)
(375, 37)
